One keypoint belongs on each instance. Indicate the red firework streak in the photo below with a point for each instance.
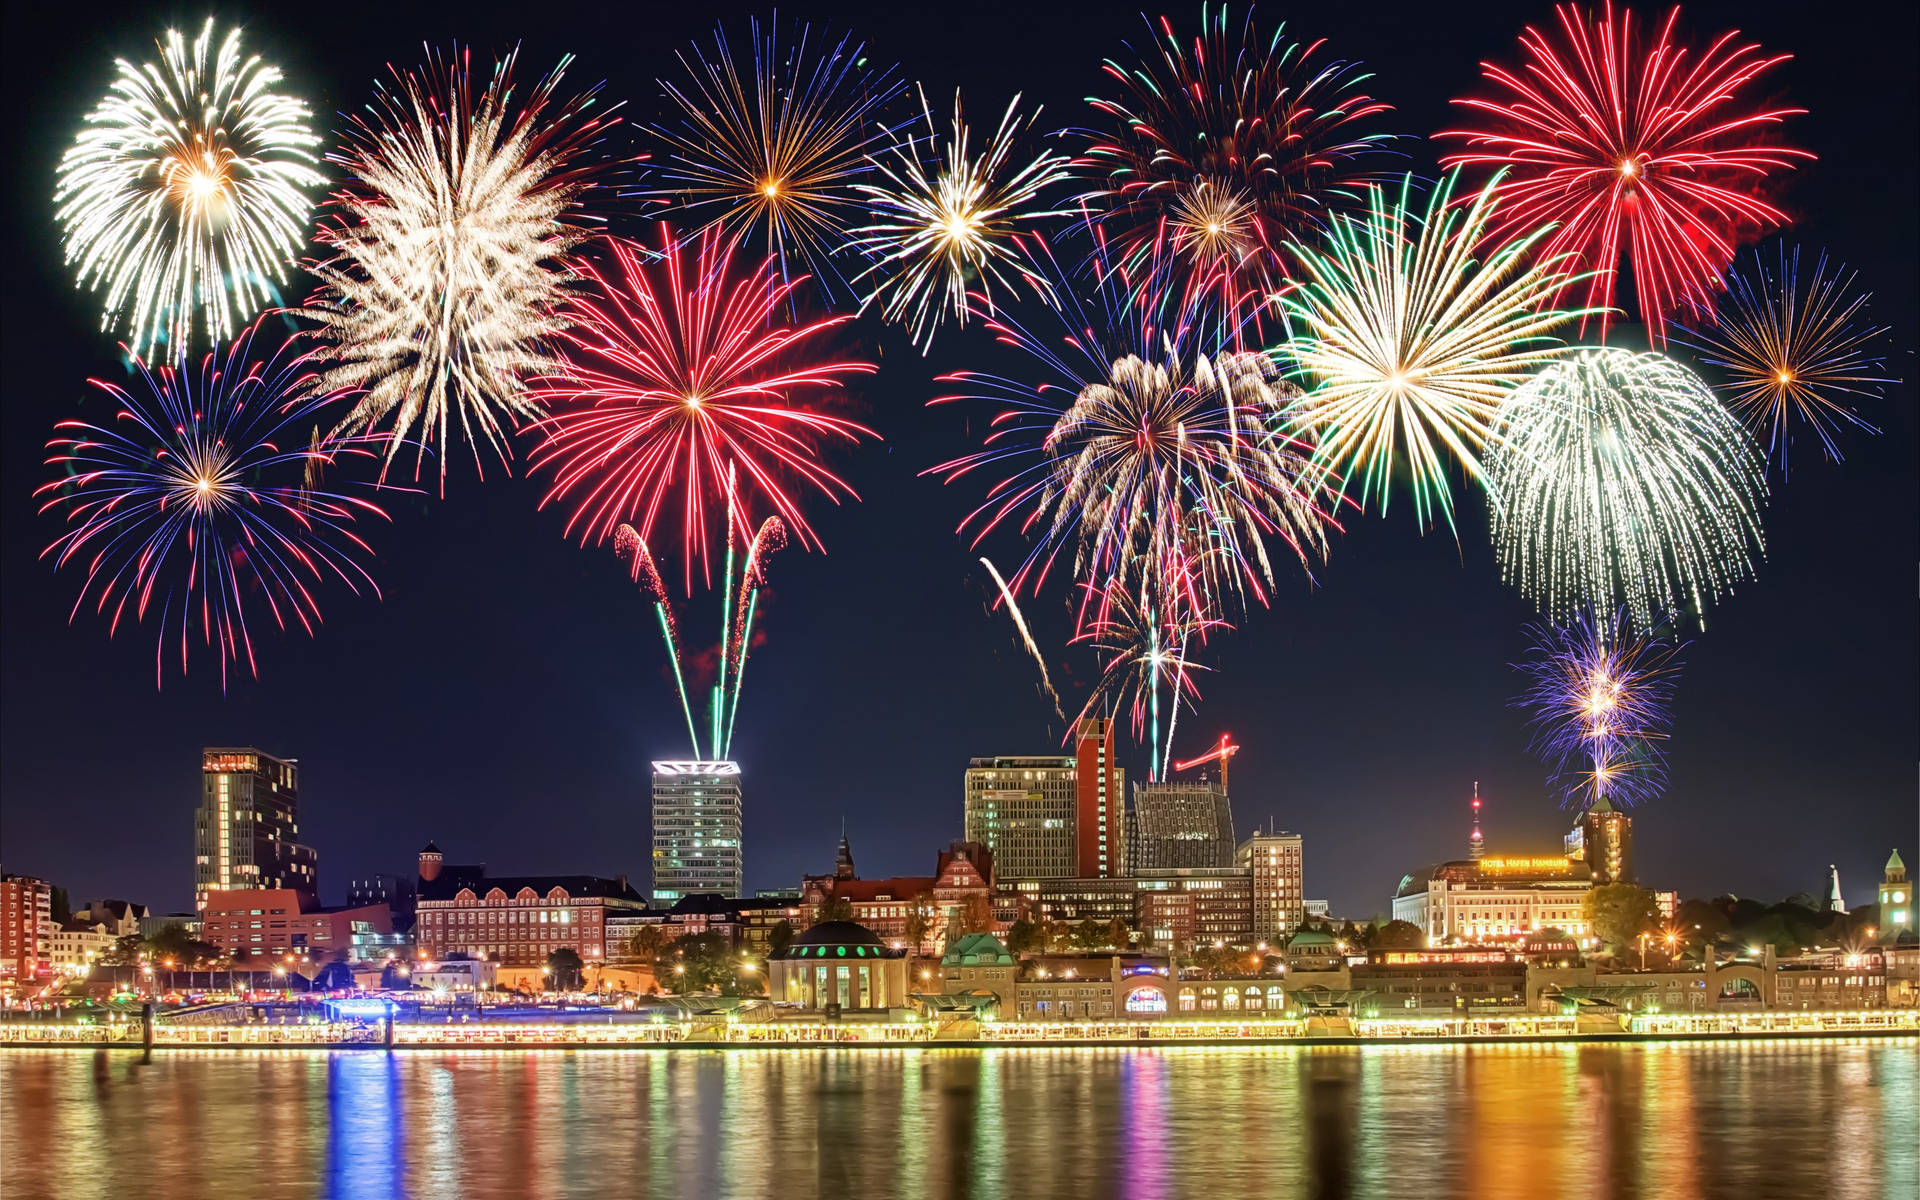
(677, 377)
(1652, 156)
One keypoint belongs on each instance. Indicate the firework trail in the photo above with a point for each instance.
(1655, 156)
(628, 544)
(1143, 652)
(448, 254)
(198, 497)
(1020, 623)
(187, 194)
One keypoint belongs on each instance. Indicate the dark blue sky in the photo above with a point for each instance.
(507, 695)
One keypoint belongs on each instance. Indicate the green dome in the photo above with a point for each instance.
(838, 940)
(1310, 939)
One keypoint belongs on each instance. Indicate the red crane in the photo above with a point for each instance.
(1220, 754)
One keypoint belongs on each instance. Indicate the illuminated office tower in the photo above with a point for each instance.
(696, 830)
(246, 832)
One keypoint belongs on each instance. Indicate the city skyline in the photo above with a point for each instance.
(508, 693)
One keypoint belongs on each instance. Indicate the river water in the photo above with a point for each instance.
(1669, 1120)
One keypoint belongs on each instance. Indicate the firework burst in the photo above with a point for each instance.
(1617, 479)
(197, 502)
(1143, 653)
(1653, 155)
(1794, 350)
(1602, 704)
(1240, 141)
(776, 146)
(449, 253)
(944, 221)
(1413, 336)
(675, 373)
(187, 195)
(1155, 462)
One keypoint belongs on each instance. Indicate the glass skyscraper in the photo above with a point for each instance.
(696, 830)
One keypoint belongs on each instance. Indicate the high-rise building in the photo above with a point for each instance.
(1100, 798)
(1605, 841)
(246, 832)
(1023, 808)
(697, 830)
(26, 926)
(1177, 824)
(1279, 901)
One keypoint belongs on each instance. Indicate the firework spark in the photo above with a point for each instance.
(778, 145)
(1790, 351)
(1602, 704)
(941, 221)
(1144, 652)
(1242, 141)
(186, 196)
(197, 497)
(676, 373)
(449, 253)
(1653, 156)
(1413, 334)
(1617, 479)
(1154, 461)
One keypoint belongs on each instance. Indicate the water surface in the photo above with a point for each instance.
(1668, 1120)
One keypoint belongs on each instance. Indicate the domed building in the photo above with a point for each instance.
(841, 964)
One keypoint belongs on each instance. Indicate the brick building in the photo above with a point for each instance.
(26, 927)
(516, 920)
(958, 894)
(263, 923)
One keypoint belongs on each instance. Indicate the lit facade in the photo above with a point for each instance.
(1022, 807)
(77, 945)
(1604, 841)
(1495, 898)
(1276, 863)
(516, 921)
(841, 966)
(1100, 797)
(246, 831)
(26, 926)
(273, 922)
(697, 833)
(1180, 824)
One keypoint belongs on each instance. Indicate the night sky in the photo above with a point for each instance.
(507, 695)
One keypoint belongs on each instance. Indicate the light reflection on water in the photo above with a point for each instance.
(1828, 1118)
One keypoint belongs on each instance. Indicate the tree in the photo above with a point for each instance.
(647, 942)
(563, 969)
(1397, 935)
(1024, 937)
(705, 962)
(917, 925)
(126, 951)
(1119, 935)
(172, 943)
(59, 908)
(836, 908)
(1088, 935)
(1618, 913)
(974, 915)
(780, 937)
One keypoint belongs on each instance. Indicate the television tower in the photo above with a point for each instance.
(1476, 841)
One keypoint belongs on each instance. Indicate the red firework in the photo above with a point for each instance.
(674, 373)
(1654, 156)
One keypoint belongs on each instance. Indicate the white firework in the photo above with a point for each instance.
(450, 255)
(942, 221)
(186, 196)
(1618, 479)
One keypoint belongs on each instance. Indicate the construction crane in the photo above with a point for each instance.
(1220, 754)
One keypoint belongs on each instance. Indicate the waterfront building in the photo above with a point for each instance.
(1896, 902)
(246, 832)
(1258, 995)
(841, 967)
(1452, 980)
(1275, 862)
(980, 963)
(1179, 824)
(1495, 898)
(1075, 987)
(26, 927)
(515, 921)
(957, 895)
(397, 892)
(456, 975)
(74, 947)
(697, 831)
(265, 923)
(1052, 816)
(1313, 951)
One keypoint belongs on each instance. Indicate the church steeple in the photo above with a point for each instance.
(1896, 902)
(1476, 841)
(843, 861)
(1835, 902)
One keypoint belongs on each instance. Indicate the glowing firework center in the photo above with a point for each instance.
(696, 830)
